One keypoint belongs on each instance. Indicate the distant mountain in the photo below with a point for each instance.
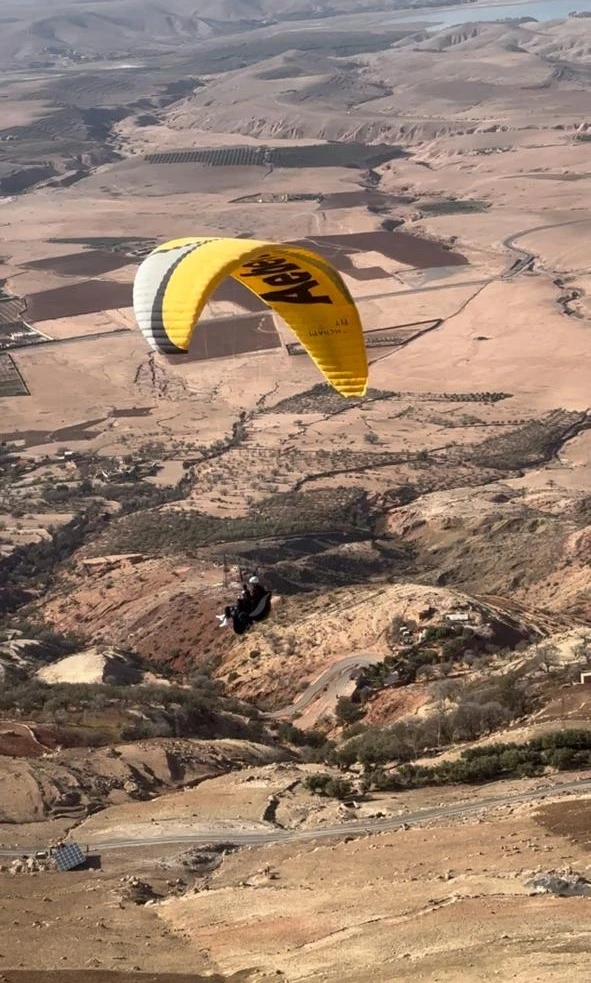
(129, 27)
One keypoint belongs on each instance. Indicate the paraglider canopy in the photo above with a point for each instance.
(174, 283)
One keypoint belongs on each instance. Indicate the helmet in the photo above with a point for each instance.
(253, 580)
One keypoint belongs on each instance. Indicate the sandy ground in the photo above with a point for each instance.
(95, 665)
(453, 897)
(450, 891)
(54, 922)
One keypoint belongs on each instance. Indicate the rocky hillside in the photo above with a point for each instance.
(473, 540)
(72, 783)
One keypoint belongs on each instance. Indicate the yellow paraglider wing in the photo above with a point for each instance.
(174, 283)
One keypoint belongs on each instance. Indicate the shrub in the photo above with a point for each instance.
(563, 758)
(346, 711)
(332, 787)
(564, 750)
(332, 510)
(301, 738)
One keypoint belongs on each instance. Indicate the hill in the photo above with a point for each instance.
(70, 784)
(74, 34)
(95, 665)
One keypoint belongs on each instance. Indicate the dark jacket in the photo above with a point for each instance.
(257, 592)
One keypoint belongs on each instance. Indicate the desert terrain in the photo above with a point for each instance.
(389, 778)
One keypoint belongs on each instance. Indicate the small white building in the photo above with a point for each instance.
(459, 617)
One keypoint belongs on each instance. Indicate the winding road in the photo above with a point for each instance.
(328, 680)
(525, 258)
(261, 837)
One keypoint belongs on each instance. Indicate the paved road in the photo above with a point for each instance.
(326, 679)
(526, 258)
(264, 314)
(257, 837)
(510, 240)
(334, 674)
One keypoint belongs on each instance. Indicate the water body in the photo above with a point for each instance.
(541, 10)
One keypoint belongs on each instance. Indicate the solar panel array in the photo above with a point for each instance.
(11, 381)
(222, 157)
(69, 857)
(314, 155)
